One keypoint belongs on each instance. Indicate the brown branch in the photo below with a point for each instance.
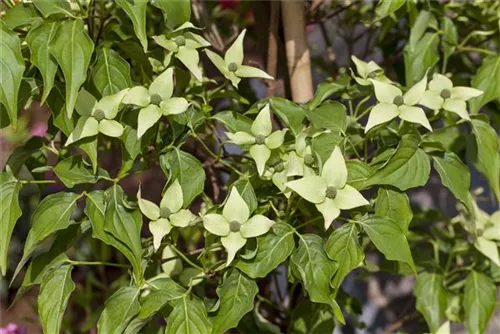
(398, 324)
(272, 47)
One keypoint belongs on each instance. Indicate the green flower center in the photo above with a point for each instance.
(331, 192)
(99, 115)
(232, 67)
(155, 99)
(398, 100)
(480, 232)
(260, 139)
(308, 160)
(165, 213)
(372, 75)
(234, 226)
(279, 167)
(180, 41)
(445, 94)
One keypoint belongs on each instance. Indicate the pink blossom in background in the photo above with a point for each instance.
(38, 129)
(12, 328)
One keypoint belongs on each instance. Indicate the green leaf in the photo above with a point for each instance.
(314, 268)
(51, 7)
(136, 11)
(292, 114)
(72, 49)
(323, 91)
(395, 205)
(246, 191)
(310, 318)
(188, 317)
(124, 225)
(164, 292)
(236, 296)
(187, 169)
(22, 14)
(482, 151)
(10, 211)
(39, 39)
(420, 57)
(52, 214)
(409, 167)
(176, 12)
(74, 170)
(234, 121)
(53, 298)
(455, 176)
(388, 237)
(22, 153)
(329, 115)
(479, 301)
(419, 27)
(272, 249)
(111, 73)
(95, 211)
(387, 7)
(119, 310)
(485, 79)
(12, 69)
(432, 299)
(358, 173)
(43, 264)
(324, 144)
(449, 39)
(343, 247)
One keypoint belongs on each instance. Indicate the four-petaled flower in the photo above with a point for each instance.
(232, 65)
(155, 101)
(367, 71)
(262, 138)
(330, 191)
(392, 103)
(168, 214)
(442, 94)
(97, 116)
(235, 226)
(183, 44)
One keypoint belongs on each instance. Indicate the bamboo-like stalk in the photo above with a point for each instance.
(297, 50)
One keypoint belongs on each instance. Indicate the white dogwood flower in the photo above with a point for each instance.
(442, 95)
(330, 191)
(235, 226)
(392, 104)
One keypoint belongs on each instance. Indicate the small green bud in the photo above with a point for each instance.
(99, 115)
(480, 232)
(260, 139)
(309, 159)
(180, 41)
(232, 67)
(165, 213)
(372, 75)
(279, 167)
(273, 161)
(331, 192)
(398, 100)
(445, 94)
(155, 99)
(234, 226)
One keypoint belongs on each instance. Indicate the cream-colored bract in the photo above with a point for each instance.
(235, 225)
(329, 191)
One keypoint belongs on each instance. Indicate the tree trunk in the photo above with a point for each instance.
(297, 50)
